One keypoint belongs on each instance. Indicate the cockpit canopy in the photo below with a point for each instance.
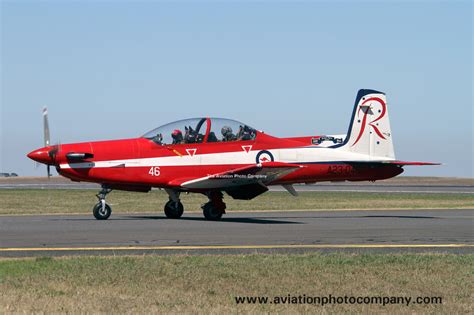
(201, 130)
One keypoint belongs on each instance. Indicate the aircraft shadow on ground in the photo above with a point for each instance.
(225, 220)
(364, 217)
(284, 220)
(259, 220)
(401, 216)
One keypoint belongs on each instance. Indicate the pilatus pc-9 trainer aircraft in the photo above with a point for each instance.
(213, 155)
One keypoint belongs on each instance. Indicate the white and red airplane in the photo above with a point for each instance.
(214, 155)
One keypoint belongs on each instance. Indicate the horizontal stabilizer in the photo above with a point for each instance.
(402, 163)
(399, 163)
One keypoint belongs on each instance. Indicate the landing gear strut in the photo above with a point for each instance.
(102, 210)
(173, 208)
(215, 208)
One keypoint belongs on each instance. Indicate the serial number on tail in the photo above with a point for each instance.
(340, 169)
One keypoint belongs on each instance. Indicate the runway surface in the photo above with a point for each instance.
(292, 231)
(327, 187)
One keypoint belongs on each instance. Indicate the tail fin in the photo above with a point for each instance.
(369, 131)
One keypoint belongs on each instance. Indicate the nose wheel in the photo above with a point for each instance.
(215, 208)
(174, 209)
(102, 210)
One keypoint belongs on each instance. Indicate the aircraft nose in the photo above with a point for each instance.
(41, 156)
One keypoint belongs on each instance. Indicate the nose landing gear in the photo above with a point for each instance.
(173, 208)
(215, 208)
(102, 210)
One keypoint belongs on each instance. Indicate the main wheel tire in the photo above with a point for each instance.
(211, 212)
(101, 214)
(174, 210)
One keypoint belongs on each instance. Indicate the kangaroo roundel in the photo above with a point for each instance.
(264, 156)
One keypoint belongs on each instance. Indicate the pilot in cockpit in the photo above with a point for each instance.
(245, 133)
(227, 134)
(177, 136)
(158, 139)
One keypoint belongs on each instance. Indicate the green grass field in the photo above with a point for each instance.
(209, 284)
(43, 201)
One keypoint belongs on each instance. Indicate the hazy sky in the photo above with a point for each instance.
(118, 69)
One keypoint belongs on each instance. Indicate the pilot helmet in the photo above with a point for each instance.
(177, 134)
(226, 130)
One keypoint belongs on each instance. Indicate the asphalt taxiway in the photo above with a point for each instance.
(446, 230)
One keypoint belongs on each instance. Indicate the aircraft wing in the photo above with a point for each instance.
(257, 174)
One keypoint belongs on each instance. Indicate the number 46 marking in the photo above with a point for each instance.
(154, 171)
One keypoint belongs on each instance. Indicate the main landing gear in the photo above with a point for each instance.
(173, 208)
(102, 210)
(215, 207)
(212, 210)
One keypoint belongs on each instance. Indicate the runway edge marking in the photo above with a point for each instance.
(208, 247)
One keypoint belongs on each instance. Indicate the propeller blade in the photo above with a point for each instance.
(47, 139)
